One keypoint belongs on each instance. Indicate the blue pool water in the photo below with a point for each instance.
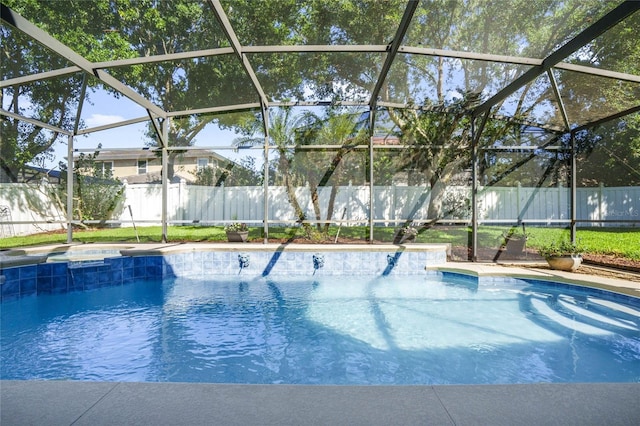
(445, 329)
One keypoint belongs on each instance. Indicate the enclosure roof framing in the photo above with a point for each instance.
(66, 52)
(319, 49)
(609, 20)
(414, 54)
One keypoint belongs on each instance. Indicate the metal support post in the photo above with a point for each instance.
(265, 120)
(474, 192)
(165, 177)
(371, 124)
(69, 189)
(573, 188)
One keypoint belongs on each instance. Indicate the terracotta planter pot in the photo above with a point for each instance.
(237, 236)
(565, 263)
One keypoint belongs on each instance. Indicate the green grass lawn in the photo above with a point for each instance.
(622, 242)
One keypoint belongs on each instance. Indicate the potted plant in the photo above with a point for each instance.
(514, 241)
(563, 255)
(237, 232)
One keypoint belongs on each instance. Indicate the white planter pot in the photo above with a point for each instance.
(565, 263)
(237, 236)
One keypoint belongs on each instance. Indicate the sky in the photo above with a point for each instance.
(104, 109)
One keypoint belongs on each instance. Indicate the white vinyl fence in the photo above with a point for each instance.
(30, 207)
(31, 210)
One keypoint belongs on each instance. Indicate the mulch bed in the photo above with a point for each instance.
(612, 261)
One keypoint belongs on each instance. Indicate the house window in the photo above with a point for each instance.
(104, 168)
(142, 167)
(202, 163)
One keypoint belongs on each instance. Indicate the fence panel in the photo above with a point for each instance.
(33, 203)
(189, 203)
(145, 201)
(619, 203)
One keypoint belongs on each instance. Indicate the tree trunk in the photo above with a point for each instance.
(438, 188)
(330, 207)
(171, 158)
(291, 193)
(315, 202)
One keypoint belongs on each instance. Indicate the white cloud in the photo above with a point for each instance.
(96, 120)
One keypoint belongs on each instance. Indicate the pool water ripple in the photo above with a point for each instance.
(400, 330)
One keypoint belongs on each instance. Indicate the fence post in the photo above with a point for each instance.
(223, 189)
(600, 201)
(181, 193)
(558, 203)
(518, 187)
(349, 196)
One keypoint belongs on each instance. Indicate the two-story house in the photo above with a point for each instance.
(145, 165)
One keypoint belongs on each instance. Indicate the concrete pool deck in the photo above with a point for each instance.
(99, 403)
(111, 403)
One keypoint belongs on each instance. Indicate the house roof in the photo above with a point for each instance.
(148, 154)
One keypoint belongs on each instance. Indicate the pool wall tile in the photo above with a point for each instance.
(57, 277)
(10, 277)
(44, 285)
(73, 283)
(58, 269)
(116, 276)
(11, 287)
(44, 269)
(104, 276)
(27, 272)
(298, 264)
(59, 286)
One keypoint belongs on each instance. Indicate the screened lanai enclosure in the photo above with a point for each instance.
(365, 116)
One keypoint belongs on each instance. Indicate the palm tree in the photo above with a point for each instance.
(288, 132)
(283, 133)
(341, 129)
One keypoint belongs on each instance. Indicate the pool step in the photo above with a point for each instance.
(586, 311)
(571, 314)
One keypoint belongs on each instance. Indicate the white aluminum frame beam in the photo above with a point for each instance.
(61, 72)
(42, 37)
(83, 94)
(193, 54)
(594, 30)
(318, 48)
(223, 19)
(112, 125)
(215, 110)
(34, 122)
(556, 93)
(620, 114)
(392, 51)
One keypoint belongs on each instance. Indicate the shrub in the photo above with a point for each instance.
(560, 248)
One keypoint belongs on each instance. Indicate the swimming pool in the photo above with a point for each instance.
(441, 328)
